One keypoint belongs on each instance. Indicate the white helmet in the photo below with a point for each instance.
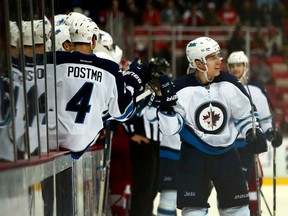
(106, 40)
(238, 57)
(14, 34)
(72, 16)
(82, 30)
(59, 19)
(62, 34)
(117, 54)
(38, 31)
(200, 48)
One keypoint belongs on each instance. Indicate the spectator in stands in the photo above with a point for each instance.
(264, 16)
(114, 12)
(151, 15)
(193, 16)
(257, 44)
(260, 71)
(247, 13)
(169, 14)
(227, 15)
(237, 41)
(270, 3)
(132, 10)
(279, 14)
(274, 41)
(210, 14)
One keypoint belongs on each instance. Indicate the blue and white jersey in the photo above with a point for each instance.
(260, 100)
(209, 117)
(6, 129)
(35, 90)
(87, 86)
(172, 141)
(169, 145)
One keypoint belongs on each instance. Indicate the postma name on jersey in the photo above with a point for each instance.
(84, 73)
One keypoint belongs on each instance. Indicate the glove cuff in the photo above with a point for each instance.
(167, 109)
(134, 80)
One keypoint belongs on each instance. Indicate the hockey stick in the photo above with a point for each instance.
(107, 173)
(266, 203)
(255, 156)
(105, 170)
(274, 152)
(274, 181)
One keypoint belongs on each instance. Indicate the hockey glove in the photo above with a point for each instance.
(155, 74)
(257, 143)
(154, 100)
(275, 137)
(135, 76)
(168, 96)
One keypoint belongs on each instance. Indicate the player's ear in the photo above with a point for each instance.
(198, 63)
(66, 46)
(94, 42)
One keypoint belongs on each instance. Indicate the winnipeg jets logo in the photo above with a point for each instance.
(211, 117)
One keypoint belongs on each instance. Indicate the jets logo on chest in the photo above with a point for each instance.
(211, 117)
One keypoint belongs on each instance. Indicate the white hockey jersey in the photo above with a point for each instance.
(260, 101)
(209, 117)
(7, 132)
(169, 144)
(36, 99)
(87, 86)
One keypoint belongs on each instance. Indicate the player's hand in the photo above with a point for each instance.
(257, 142)
(169, 97)
(139, 139)
(140, 68)
(155, 73)
(154, 100)
(275, 137)
(136, 74)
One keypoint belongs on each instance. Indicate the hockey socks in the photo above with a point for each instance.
(167, 204)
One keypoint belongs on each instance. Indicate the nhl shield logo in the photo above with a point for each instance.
(211, 117)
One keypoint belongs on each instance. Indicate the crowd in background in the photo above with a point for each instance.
(255, 13)
(270, 14)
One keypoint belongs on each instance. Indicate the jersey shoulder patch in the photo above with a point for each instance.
(186, 80)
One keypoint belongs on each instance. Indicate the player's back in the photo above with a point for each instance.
(86, 87)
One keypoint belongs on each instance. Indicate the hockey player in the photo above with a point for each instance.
(92, 85)
(208, 108)
(168, 154)
(98, 50)
(63, 39)
(168, 165)
(144, 143)
(12, 134)
(34, 48)
(107, 46)
(35, 39)
(59, 19)
(238, 65)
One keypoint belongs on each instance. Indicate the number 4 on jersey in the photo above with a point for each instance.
(80, 102)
